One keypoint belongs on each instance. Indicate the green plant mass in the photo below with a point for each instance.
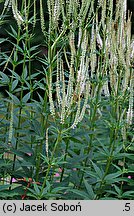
(66, 100)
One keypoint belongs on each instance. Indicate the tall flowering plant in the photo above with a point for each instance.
(88, 73)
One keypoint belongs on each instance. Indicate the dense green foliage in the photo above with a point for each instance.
(66, 103)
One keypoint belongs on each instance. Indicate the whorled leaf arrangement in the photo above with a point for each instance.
(110, 34)
(90, 57)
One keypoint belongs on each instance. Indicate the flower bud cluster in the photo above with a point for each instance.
(16, 13)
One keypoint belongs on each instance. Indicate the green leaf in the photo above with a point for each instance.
(14, 33)
(117, 180)
(82, 194)
(14, 84)
(15, 75)
(3, 187)
(117, 189)
(33, 75)
(2, 40)
(108, 198)
(57, 189)
(27, 149)
(33, 48)
(89, 189)
(26, 98)
(6, 195)
(4, 79)
(45, 158)
(32, 193)
(24, 74)
(36, 188)
(129, 156)
(3, 163)
(18, 48)
(14, 98)
(46, 189)
(75, 140)
(98, 170)
(113, 175)
(128, 194)
(27, 160)
(36, 127)
(111, 192)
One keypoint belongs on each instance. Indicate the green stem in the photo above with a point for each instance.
(43, 126)
(108, 164)
(65, 156)
(50, 162)
(92, 128)
(113, 137)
